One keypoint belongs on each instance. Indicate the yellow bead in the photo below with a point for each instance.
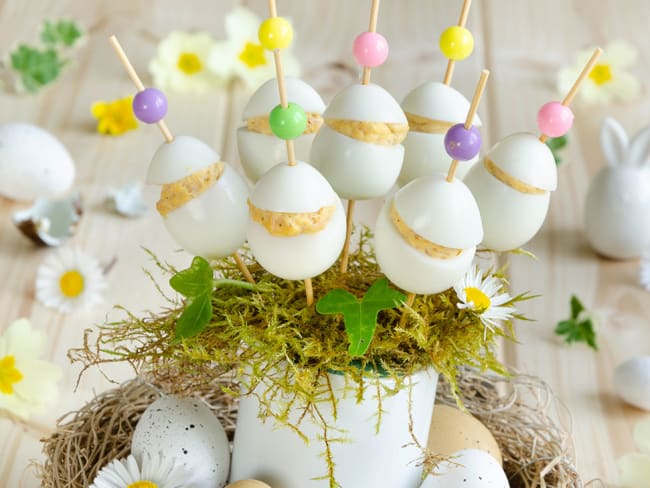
(456, 43)
(275, 33)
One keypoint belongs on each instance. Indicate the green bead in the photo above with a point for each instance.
(288, 123)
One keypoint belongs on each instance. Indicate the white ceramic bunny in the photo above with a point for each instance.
(617, 210)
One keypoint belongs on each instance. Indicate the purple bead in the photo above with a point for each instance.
(462, 144)
(150, 105)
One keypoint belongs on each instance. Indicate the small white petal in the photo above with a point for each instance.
(634, 470)
(621, 53)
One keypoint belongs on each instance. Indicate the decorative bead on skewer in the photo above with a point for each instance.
(457, 42)
(150, 105)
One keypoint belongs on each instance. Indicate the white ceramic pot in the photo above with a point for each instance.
(278, 456)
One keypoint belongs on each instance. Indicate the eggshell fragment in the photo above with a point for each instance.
(182, 157)
(185, 429)
(296, 189)
(50, 222)
(469, 468)
(33, 163)
(453, 430)
(632, 381)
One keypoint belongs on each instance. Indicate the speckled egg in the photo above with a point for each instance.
(185, 429)
(356, 168)
(453, 430)
(432, 108)
(512, 186)
(632, 381)
(297, 226)
(436, 214)
(33, 163)
(203, 200)
(469, 468)
(260, 150)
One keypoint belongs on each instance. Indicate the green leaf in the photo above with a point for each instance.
(36, 67)
(576, 307)
(360, 317)
(196, 316)
(555, 144)
(62, 32)
(195, 280)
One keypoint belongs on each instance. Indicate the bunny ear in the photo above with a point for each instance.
(639, 153)
(614, 141)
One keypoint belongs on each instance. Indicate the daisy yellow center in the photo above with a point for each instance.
(601, 74)
(252, 55)
(189, 63)
(9, 375)
(142, 484)
(480, 300)
(71, 284)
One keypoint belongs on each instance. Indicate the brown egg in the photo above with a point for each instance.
(453, 430)
(248, 484)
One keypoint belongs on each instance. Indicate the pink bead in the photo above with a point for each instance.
(554, 119)
(370, 49)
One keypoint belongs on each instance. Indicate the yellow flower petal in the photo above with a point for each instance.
(115, 117)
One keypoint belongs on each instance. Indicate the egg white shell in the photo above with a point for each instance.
(632, 381)
(442, 212)
(267, 97)
(470, 468)
(525, 157)
(411, 269)
(213, 225)
(356, 170)
(296, 189)
(369, 103)
(182, 157)
(510, 218)
(437, 101)
(33, 163)
(260, 152)
(185, 429)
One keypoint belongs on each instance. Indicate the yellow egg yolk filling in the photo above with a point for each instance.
(261, 124)
(382, 133)
(288, 224)
(418, 123)
(418, 242)
(511, 181)
(175, 195)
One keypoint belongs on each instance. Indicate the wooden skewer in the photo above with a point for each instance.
(478, 93)
(167, 135)
(576, 85)
(130, 70)
(374, 15)
(464, 13)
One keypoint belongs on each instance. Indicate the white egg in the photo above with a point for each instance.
(213, 224)
(185, 429)
(260, 152)
(443, 213)
(33, 163)
(425, 152)
(632, 381)
(296, 189)
(511, 217)
(359, 170)
(469, 468)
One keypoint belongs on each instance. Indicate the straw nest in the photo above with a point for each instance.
(521, 411)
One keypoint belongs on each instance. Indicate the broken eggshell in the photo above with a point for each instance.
(50, 222)
(127, 200)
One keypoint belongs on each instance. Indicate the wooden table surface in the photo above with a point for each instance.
(523, 42)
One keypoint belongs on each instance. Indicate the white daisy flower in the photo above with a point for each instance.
(153, 472)
(482, 296)
(634, 467)
(242, 55)
(69, 280)
(644, 277)
(27, 384)
(608, 81)
(181, 63)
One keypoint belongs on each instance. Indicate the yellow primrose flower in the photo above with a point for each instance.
(180, 64)
(116, 117)
(27, 383)
(242, 56)
(608, 81)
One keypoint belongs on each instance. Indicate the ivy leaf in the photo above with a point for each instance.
(576, 329)
(63, 32)
(196, 316)
(195, 280)
(555, 144)
(360, 316)
(36, 67)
